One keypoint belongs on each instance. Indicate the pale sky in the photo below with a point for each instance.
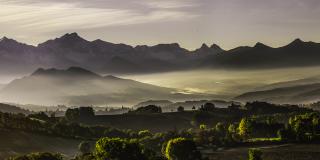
(228, 23)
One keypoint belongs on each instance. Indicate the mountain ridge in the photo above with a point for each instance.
(106, 57)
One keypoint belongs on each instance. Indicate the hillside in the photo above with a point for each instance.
(5, 108)
(77, 86)
(295, 94)
(304, 81)
(15, 143)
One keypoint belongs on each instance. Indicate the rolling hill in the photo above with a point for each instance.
(14, 143)
(6, 108)
(77, 86)
(298, 91)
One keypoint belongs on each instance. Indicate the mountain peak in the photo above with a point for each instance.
(216, 47)
(80, 71)
(7, 40)
(67, 40)
(260, 45)
(72, 71)
(41, 71)
(204, 46)
(205, 49)
(296, 42)
(72, 36)
(77, 69)
(100, 42)
(4, 39)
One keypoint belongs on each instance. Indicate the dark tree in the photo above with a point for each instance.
(119, 149)
(182, 149)
(180, 109)
(207, 107)
(148, 109)
(82, 113)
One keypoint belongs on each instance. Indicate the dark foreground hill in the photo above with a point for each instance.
(15, 143)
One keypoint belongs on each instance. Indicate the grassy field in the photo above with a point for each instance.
(16, 143)
(273, 152)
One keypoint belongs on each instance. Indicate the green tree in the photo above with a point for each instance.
(145, 133)
(72, 114)
(245, 128)
(255, 154)
(182, 149)
(180, 109)
(82, 113)
(207, 107)
(119, 149)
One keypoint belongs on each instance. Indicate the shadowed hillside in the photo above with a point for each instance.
(77, 86)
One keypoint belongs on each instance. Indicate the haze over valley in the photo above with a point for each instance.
(167, 71)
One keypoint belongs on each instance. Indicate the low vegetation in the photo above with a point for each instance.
(212, 129)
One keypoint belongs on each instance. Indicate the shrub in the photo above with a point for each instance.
(39, 156)
(119, 149)
(145, 133)
(255, 154)
(182, 149)
(84, 147)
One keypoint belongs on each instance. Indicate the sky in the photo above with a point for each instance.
(228, 23)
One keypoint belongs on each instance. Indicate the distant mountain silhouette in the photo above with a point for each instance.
(72, 72)
(98, 55)
(295, 54)
(78, 86)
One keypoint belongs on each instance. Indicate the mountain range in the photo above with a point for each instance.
(78, 86)
(105, 57)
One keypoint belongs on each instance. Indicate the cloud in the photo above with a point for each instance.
(37, 16)
(169, 4)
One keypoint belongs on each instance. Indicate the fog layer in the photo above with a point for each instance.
(225, 82)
